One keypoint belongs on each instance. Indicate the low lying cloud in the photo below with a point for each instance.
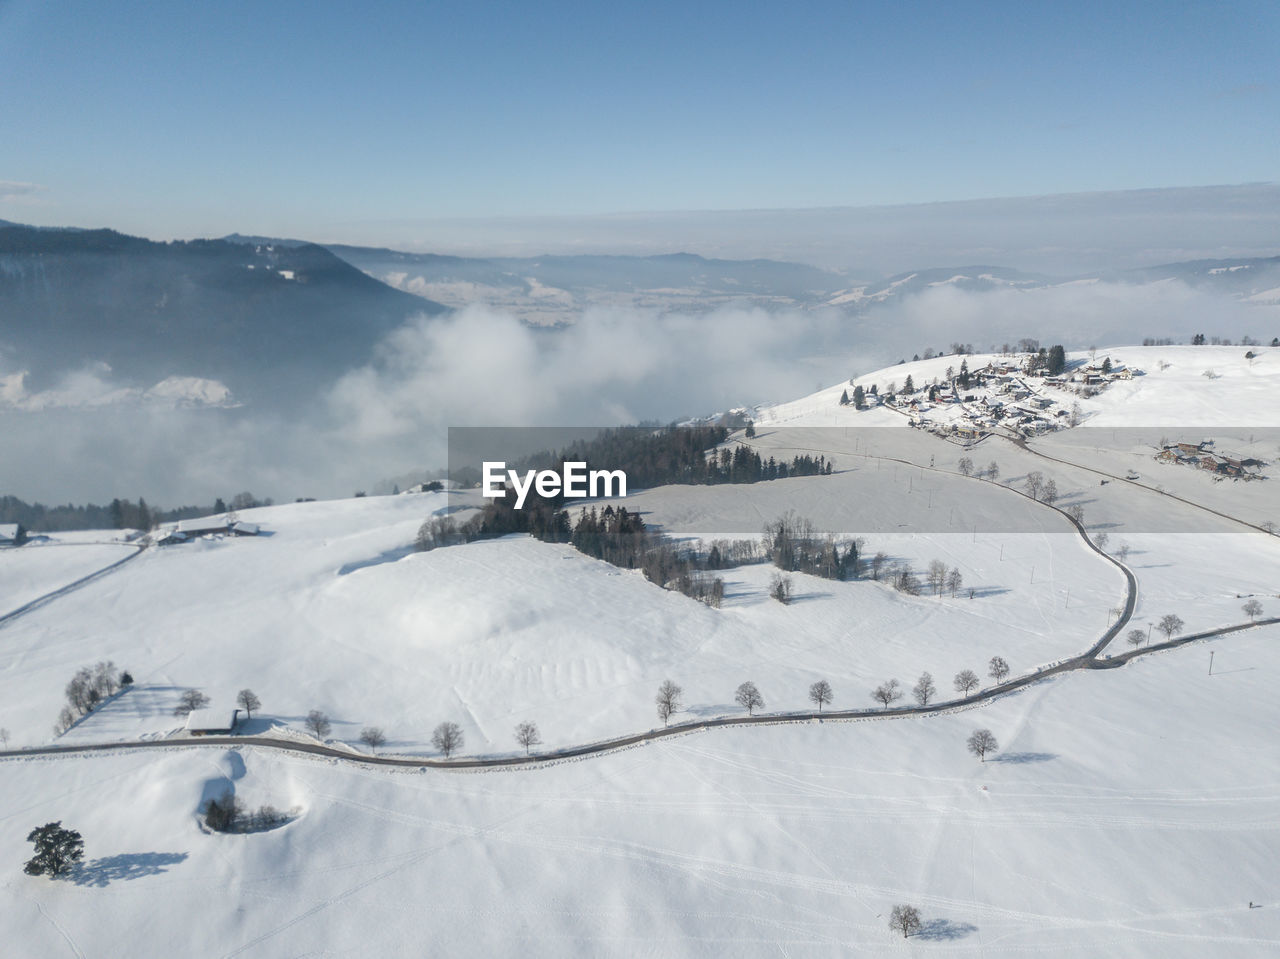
(13, 189)
(481, 367)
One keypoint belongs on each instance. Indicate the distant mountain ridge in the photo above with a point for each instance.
(270, 321)
(552, 288)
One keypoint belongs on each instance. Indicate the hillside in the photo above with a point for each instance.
(728, 842)
(269, 323)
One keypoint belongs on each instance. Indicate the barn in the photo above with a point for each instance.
(212, 722)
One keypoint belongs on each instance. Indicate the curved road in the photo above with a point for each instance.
(1087, 660)
(47, 598)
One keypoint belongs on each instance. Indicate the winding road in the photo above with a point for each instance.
(1090, 659)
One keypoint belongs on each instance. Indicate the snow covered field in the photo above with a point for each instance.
(1129, 812)
(333, 611)
(40, 568)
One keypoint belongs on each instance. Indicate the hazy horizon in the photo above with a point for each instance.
(1055, 234)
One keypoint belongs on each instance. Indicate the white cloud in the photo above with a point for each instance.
(482, 367)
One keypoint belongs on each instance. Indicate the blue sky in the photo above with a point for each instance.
(345, 121)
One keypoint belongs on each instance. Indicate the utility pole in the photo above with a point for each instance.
(1211, 662)
(1033, 574)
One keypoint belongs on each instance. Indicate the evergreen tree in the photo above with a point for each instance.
(859, 397)
(1056, 360)
(909, 386)
(57, 849)
(844, 397)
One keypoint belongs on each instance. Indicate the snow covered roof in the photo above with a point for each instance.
(8, 532)
(211, 720)
(245, 529)
(195, 527)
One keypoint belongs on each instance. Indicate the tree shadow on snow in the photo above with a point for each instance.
(126, 866)
(944, 930)
(981, 592)
(806, 597)
(1022, 758)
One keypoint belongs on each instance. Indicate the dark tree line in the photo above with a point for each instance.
(793, 544)
(118, 514)
(229, 814)
(660, 456)
(617, 536)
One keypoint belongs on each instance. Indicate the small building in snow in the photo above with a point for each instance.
(12, 534)
(212, 722)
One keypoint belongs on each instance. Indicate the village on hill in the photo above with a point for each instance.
(1017, 396)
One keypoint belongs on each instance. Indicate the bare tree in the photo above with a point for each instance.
(1076, 512)
(820, 694)
(954, 581)
(80, 691)
(190, 700)
(982, 742)
(877, 564)
(105, 679)
(965, 466)
(937, 576)
(1034, 484)
(1101, 540)
(1050, 493)
(447, 738)
(924, 689)
(966, 681)
(668, 700)
(1253, 609)
(749, 698)
(317, 724)
(1135, 637)
(904, 579)
(993, 471)
(373, 737)
(887, 693)
(1122, 552)
(248, 701)
(780, 588)
(905, 919)
(4, 737)
(527, 736)
(1169, 625)
(998, 669)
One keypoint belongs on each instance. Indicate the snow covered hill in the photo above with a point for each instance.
(1128, 812)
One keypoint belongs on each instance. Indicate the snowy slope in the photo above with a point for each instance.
(333, 611)
(1131, 813)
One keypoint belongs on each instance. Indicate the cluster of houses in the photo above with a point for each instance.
(1094, 375)
(1199, 456)
(188, 529)
(1005, 395)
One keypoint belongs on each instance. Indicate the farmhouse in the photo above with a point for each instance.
(12, 534)
(188, 529)
(208, 526)
(212, 722)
